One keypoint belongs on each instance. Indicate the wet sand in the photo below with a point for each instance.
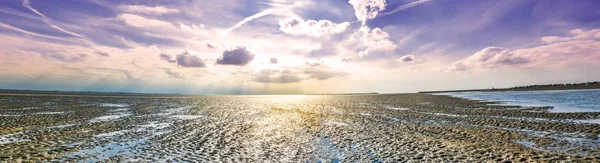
(311, 128)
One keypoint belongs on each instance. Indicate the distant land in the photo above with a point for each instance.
(588, 85)
(569, 86)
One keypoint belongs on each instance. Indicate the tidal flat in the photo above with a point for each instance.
(289, 128)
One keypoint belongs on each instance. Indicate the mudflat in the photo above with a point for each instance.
(294, 128)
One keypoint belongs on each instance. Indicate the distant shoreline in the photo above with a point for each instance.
(588, 85)
(547, 87)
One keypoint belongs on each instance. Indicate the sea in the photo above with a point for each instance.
(587, 100)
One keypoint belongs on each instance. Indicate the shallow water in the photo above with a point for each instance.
(560, 100)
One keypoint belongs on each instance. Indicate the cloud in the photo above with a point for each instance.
(577, 34)
(323, 51)
(489, 57)
(273, 61)
(276, 76)
(407, 58)
(372, 40)
(188, 60)
(174, 74)
(212, 46)
(314, 64)
(7, 26)
(322, 74)
(142, 22)
(347, 59)
(237, 55)
(65, 57)
(367, 9)
(266, 12)
(580, 48)
(103, 54)
(250, 18)
(289, 76)
(405, 6)
(167, 58)
(47, 20)
(297, 26)
(156, 10)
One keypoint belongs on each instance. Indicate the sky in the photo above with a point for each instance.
(295, 46)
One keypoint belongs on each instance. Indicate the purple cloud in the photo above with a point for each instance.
(188, 60)
(103, 54)
(407, 58)
(237, 55)
(167, 58)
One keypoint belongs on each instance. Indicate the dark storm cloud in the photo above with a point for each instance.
(237, 55)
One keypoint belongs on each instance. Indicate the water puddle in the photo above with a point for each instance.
(114, 105)
(13, 138)
(110, 117)
(62, 126)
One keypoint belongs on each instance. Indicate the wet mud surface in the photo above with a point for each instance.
(369, 128)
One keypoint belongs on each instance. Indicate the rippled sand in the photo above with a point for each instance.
(370, 128)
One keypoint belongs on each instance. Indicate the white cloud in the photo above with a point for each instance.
(31, 33)
(156, 10)
(367, 9)
(47, 20)
(581, 49)
(142, 22)
(574, 53)
(406, 6)
(372, 40)
(251, 17)
(489, 57)
(277, 9)
(298, 26)
(162, 29)
(577, 34)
